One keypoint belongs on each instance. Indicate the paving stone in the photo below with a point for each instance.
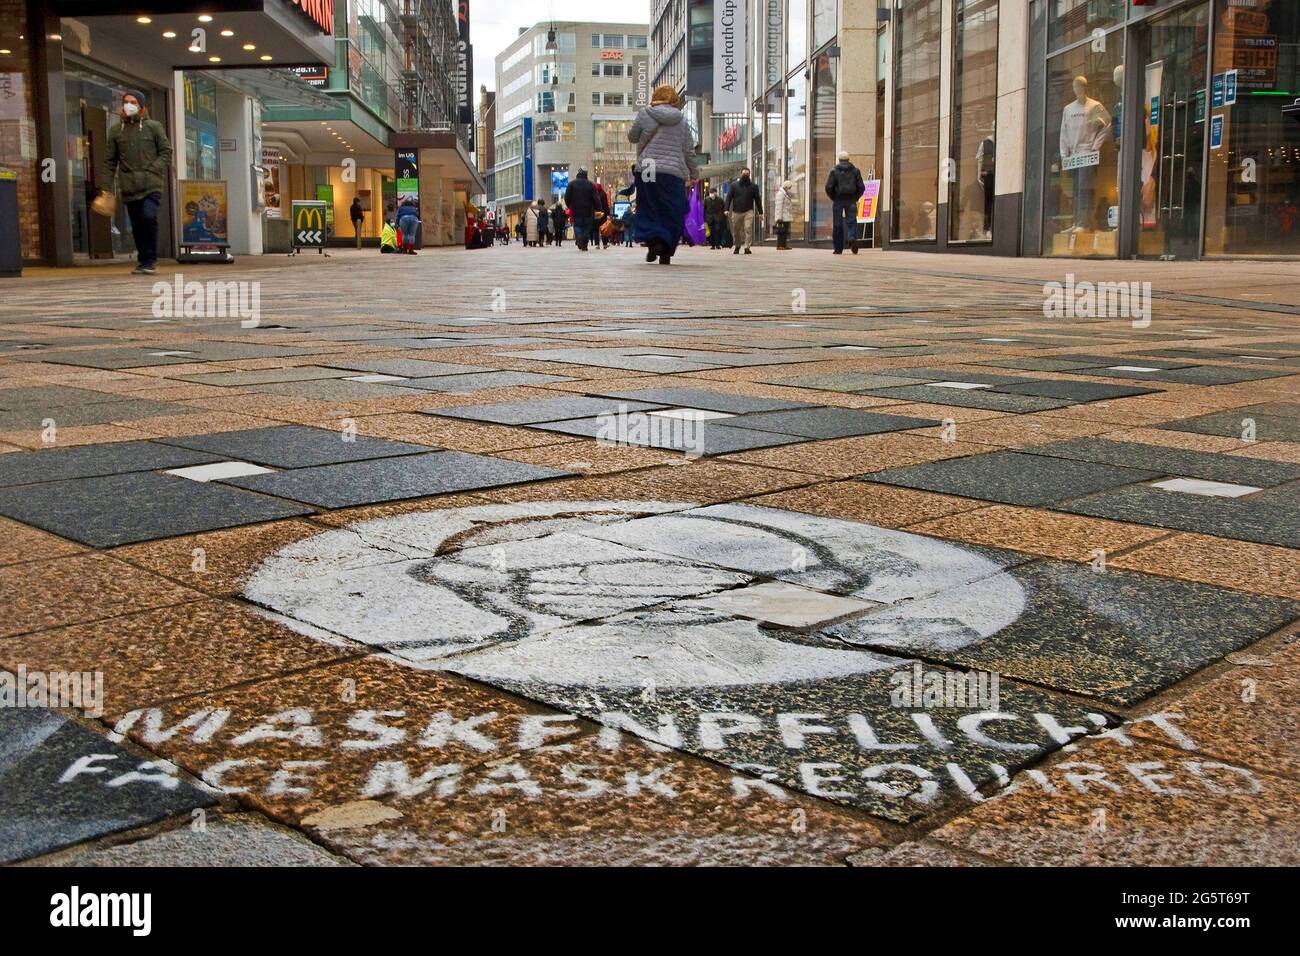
(705, 398)
(1075, 391)
(1199, 375)
(1259, 568)
(782, 605)
(88, 461)
(1013, 478)
(96, 413)
(993, 401)
(85, 587)
(1173, 461)
(1277, 422)
(846, 381)
(42, 808)
(229, 840)
(696, 438)
(295, 446)
(1087, 632)
(19, 543)
(391, 479)
(51, 396)
(332, 390)
(1267, 517)
(882, 505)
(122, 509)
(1048, 533)
(480, 380)
(169, 653)
(543, 410)
(828, 422)
(409, 368)
(1140, 805)
(294, 373)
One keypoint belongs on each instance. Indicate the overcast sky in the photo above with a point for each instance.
(493, 24)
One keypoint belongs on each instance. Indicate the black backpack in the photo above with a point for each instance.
(846, 182)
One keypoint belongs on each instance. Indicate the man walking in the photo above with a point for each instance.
(140, 159)
(559, 222)
(580, 197)
(715, 211)
(744, 202)
(844, 186)
(357, 216)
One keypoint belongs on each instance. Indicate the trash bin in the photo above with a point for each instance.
(11, 252)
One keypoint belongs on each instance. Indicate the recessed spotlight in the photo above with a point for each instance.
(205, 18)
(194, 49)
(227, 33)
(56, 36)
(169, 34)
(144, 20)
(214, 59)
(250, 46)
(5, 52)
(267, 56)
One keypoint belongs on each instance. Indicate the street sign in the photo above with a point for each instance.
(309, 224)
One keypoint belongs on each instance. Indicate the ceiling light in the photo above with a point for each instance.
(5, 52)
(267, 56)
(169, 34)
(227, 33)
(214, 59)
(250, 46)
(205, 18)
(143, 20)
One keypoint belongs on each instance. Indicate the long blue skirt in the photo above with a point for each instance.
(661, 210)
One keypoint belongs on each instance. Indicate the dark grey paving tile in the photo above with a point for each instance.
(697, 438)
(97, 413)
(393, 479)
(409, 368)
(1177, 462)
(968, 398)
(542, 410)
(141, 506)
(845, 381)
(706, 399)
(333, 390)
(1271, 422)
(1266, 517)
(52, 396)
(1040, 364)
(43, 809)
(264, 376)
(87, 461)
(1012, 477)
(828, 422)
(117, 358)
(294, 446)
(479, 380)
(931, 375)
(1198, 374)
(1092, 633)
(1074, 391)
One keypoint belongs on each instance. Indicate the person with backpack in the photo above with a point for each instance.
(580, 197)
(844, 186)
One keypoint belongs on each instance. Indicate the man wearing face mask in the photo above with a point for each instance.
(743, 202)
(140, 159)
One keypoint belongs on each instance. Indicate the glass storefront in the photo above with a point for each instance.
(18, 148)
(916, 120)
(202, 144)
(796, 152)
(974, 121)
(1073, 20)
(1253, 195)
(823, 145)
(1081, 194)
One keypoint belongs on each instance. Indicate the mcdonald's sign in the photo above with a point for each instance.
(309, 224)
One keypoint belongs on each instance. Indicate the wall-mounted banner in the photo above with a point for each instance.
(528, 158)
(729, 38)
(775, 43)
(640, 73)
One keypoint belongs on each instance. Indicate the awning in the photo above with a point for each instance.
(274, 87)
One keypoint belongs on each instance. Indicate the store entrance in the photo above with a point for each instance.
(1174, 53)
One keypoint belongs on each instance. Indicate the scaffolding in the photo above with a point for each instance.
(429, 97)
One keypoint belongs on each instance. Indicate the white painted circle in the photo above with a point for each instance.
(624, 593)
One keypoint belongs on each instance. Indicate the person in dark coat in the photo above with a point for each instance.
(580, 197)
(140, 161)
(715, 212)
(744, 202)
(844, 186)
(558, 223)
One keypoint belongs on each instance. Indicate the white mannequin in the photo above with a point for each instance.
(1085, 123)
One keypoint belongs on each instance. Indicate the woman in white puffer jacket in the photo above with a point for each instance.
(783, 213)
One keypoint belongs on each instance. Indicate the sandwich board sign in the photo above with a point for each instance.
(309, 229)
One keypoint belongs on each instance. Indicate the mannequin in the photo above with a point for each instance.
(1085, 126)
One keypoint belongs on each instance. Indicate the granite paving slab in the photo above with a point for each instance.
(96, 413)
(702, 437)
(1270, 422)
(1170, 461)
(409, 368)
(828, 422)
(968, 398)
(1196, 374)
(1075, 391)
(556, 409)
(295, 446)
(480, 380)
(1013, 478)
(1267, 517)
(293, 373)
(122, 509)
(705, 398)
(51, 397)
(62, 784)
(393, 479)
(88, 461)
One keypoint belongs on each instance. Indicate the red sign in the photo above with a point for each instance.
(320, 11)
(611, 54)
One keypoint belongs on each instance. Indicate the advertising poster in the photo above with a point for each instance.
(869, 201)
(407, 167)
(325, 194)
(205, 209)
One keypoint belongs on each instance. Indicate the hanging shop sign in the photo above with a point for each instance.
(729, 37)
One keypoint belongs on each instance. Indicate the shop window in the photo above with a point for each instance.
(971, 169)
(772, 172)
(1081, 199)
(915, 198)
(796, 154)
(796, 32)
(1253, 182)
(18, 123)
(1070, 21)
(824, 22)
(823, 144)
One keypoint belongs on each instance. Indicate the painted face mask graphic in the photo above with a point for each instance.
(628, 593)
